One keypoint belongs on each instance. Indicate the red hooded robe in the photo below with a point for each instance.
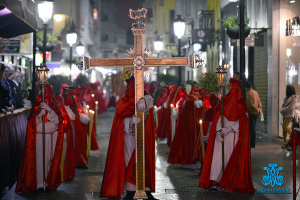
(69, 165)
(114, 173)
(27, 180)
(165, 113)
(237, 174)
(80, 146)
(187, 132)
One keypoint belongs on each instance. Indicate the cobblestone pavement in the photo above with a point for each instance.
(172, 182)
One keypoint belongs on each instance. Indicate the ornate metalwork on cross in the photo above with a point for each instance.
(138, 62)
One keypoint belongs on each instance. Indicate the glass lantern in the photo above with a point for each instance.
(179, 26)
(158, 44)
(42, 72)
(221, 73)
(45, 10)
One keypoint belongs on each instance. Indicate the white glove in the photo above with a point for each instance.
(204, 139)
(226, 130)
(157, 109)
(135, 119)
(175, 114)
(198, 103)
(165, 105)
(84, 118)
(142, 105)
(219, 136)
(43, 111)
(43, 105)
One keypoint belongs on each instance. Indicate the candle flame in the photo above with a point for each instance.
(200, 121)
(96, 102)
(171, 105)
(93, 95)
(155, 107)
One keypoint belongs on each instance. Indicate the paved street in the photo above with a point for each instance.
(172, 182)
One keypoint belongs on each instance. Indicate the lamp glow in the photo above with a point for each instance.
(80, 49)
(179, 26)
(45, 10)
(158, 44)
(71, 38)
(42, 72)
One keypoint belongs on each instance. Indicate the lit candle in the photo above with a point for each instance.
(87, 107)
(93, 95)
(156, 119)
(172, 129)
(90, 112)
(96, 102)
(202, 143)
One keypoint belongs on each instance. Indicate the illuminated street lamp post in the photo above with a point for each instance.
(45, 10)
(158, 46)
(179, 29)
(71, 40)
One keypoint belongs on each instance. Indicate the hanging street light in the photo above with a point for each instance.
(45, 9)
(158, 46)
(71, 40)
(179, 29)
(80, 49)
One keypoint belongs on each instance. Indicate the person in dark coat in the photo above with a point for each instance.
(5, 100)
(16, 91)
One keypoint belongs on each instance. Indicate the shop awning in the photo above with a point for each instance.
(15, 19)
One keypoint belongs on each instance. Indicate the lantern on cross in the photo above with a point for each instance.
(221, 73)
(42, 72)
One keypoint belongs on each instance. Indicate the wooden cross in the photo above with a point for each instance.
(138, 62)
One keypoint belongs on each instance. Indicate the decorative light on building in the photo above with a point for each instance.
(292, 1)
(71, 37)
(158, 44)
(288, 52)
(58, 18)
(80, 49)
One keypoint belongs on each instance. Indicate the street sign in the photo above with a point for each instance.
(202, 36)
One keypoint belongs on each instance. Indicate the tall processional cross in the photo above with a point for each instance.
(137, 63)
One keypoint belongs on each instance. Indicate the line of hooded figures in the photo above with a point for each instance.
(202, 133)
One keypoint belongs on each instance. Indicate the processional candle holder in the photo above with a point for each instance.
(221, 73)
(96, 115)
(88, 150)
(42, 72)
(202, 143)
(172, 128)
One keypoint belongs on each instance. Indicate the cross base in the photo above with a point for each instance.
(140, 194)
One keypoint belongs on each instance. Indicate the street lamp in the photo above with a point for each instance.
(179, 28)
(71, 39)
(45, 10)
(80, 49)
(158, 46)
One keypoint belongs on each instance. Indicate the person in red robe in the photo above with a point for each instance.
(165, 113)
(31, 169)
(85, 123)
(178, 103)
(69, 160)
(119, 173)
(236, 136)
(80, 145)
(96, 89)
(187, 132)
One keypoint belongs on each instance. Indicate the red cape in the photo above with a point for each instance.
(165, 114)
(80, 145)
(214, 100)
(114, 173)
(160, 103)
(27, 175)
(180, 93)
(237, 175)
(187, 132)
(69, 166)
(98, 97)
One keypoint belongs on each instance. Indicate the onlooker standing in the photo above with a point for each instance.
(255, 108)
(288, 111)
